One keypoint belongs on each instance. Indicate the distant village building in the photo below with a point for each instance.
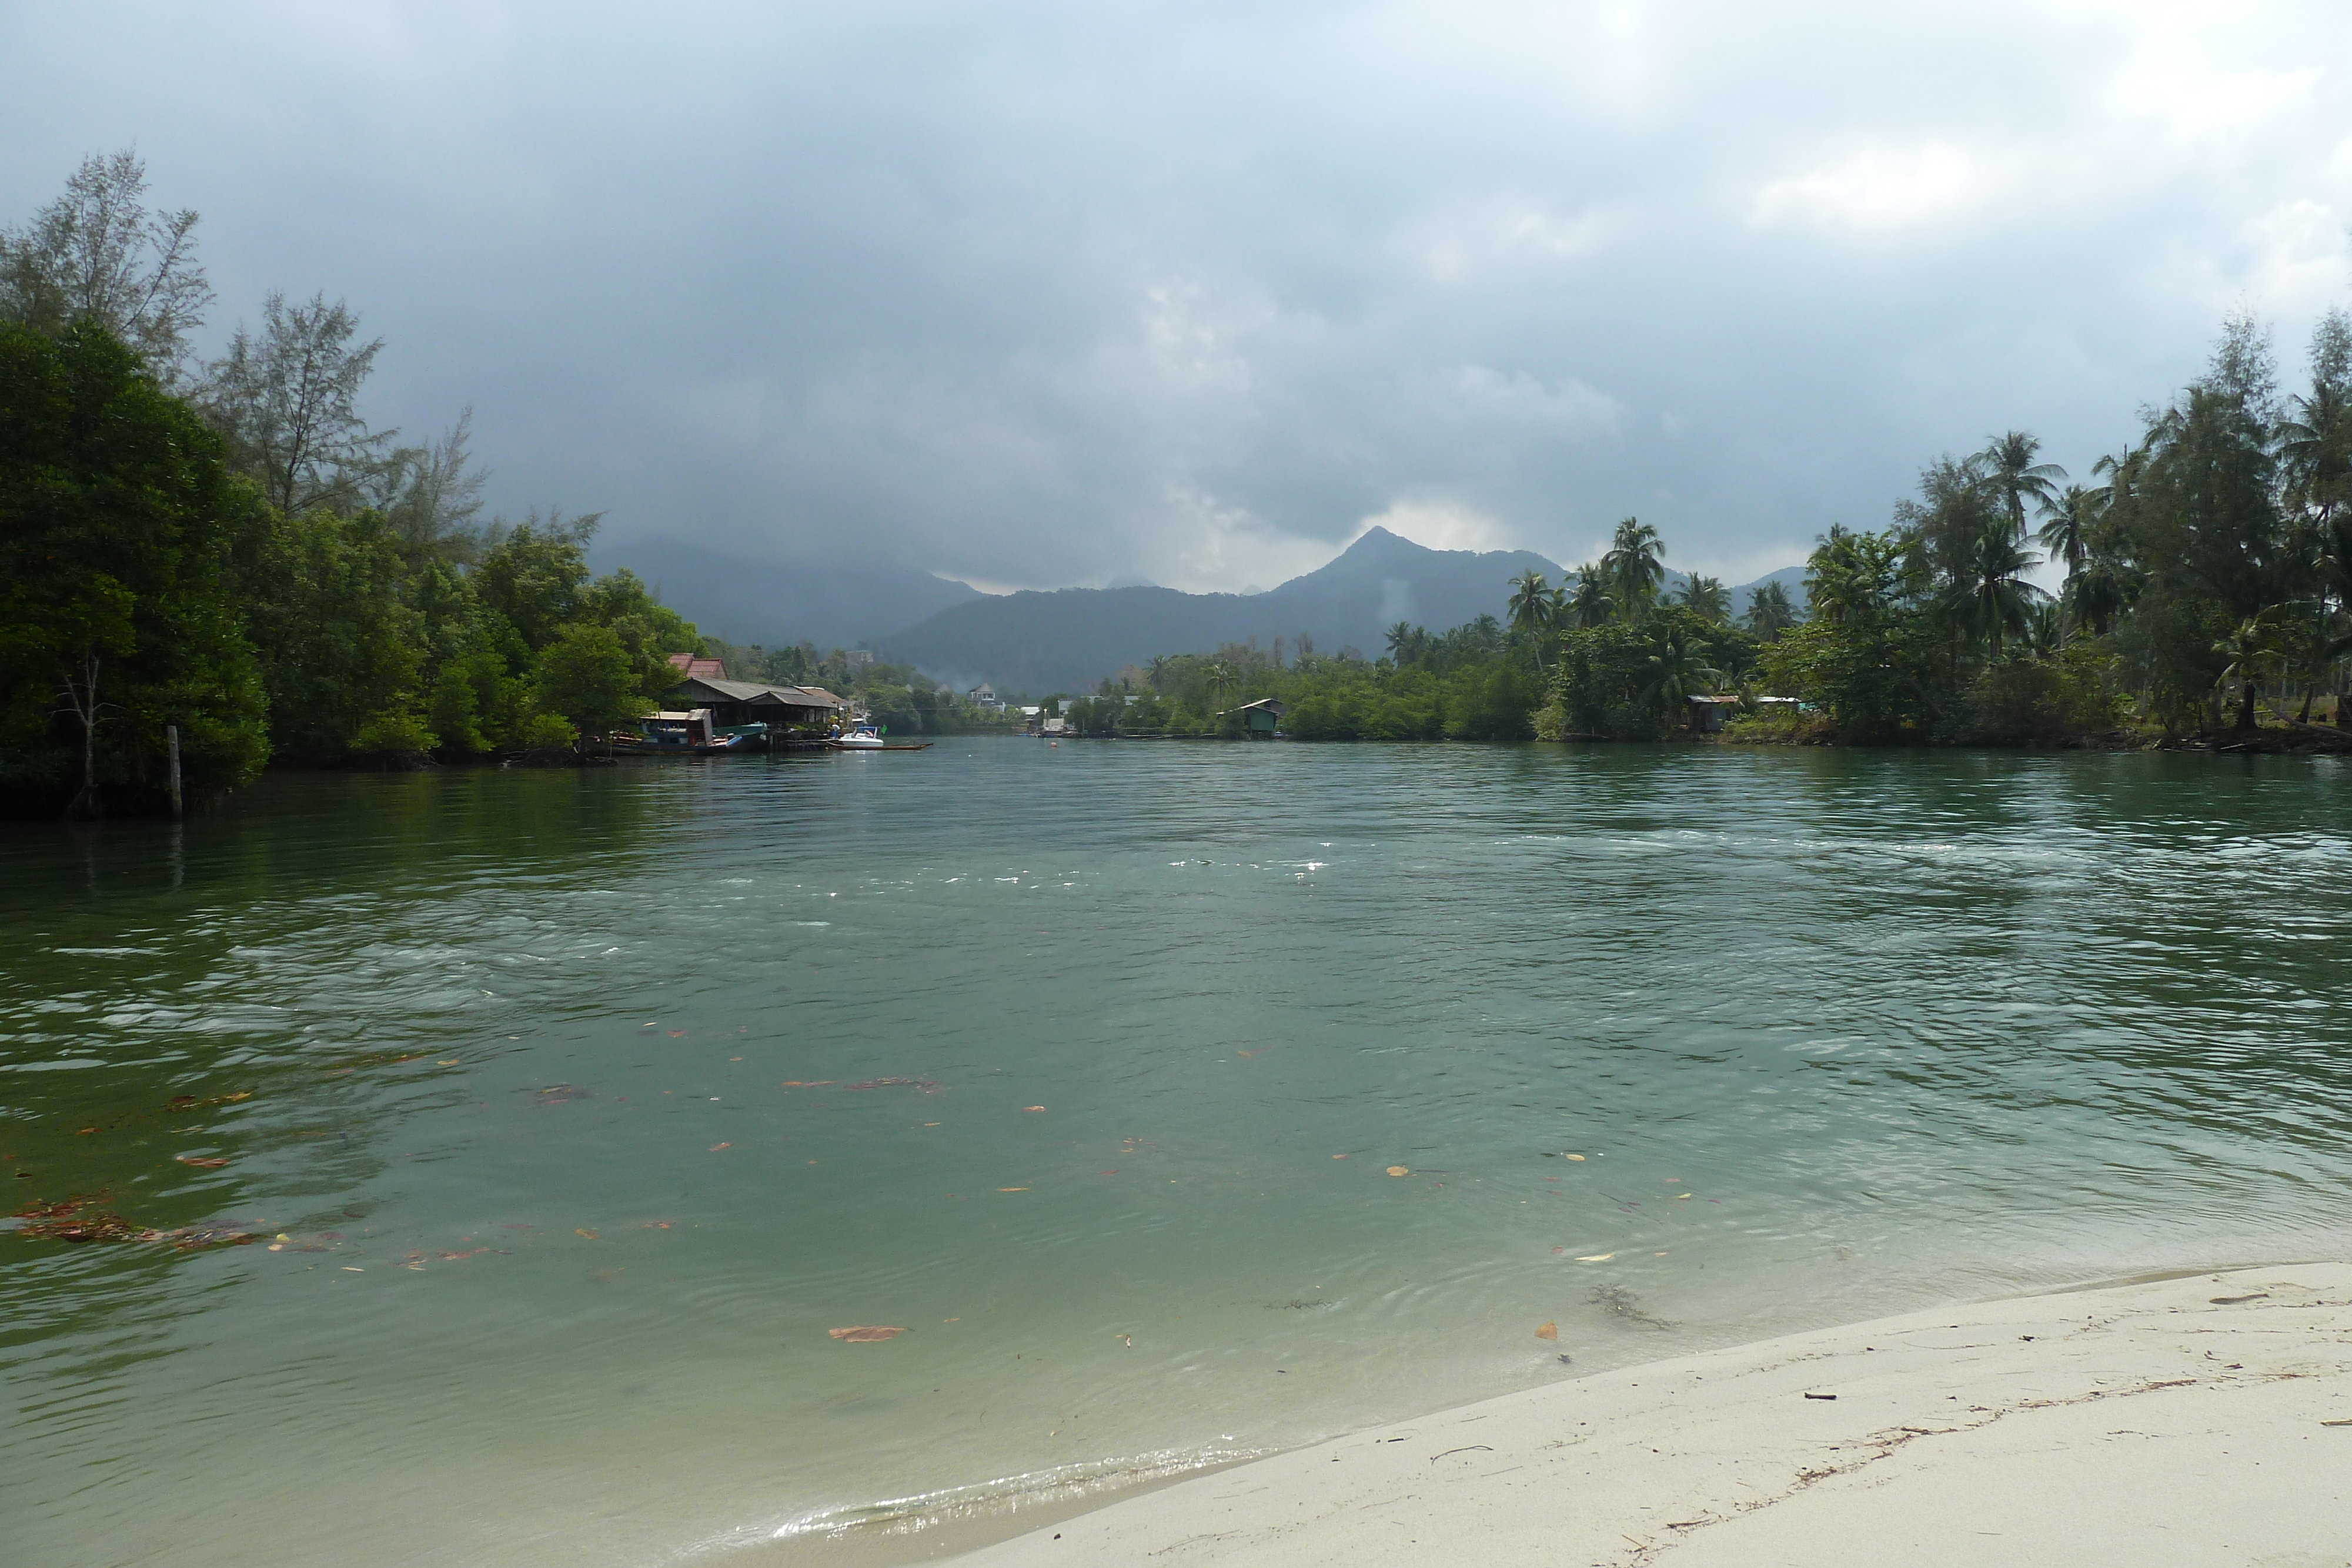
(1708, 715)
(983, 696)
(695, 667)
(1260, 719)
(733, 703)
(857, 656)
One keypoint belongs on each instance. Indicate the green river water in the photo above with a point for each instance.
(587, 1102)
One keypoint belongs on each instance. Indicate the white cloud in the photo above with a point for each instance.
(1442, 525)
(1882, 188)
(1042, 294)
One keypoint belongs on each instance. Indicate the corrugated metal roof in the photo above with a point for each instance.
(754, 692)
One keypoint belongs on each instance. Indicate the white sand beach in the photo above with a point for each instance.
(2196, 1420)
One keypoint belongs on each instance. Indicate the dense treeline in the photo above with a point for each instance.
(2209, 569)
(232, 552)
(2212, 567)
(1606, 657)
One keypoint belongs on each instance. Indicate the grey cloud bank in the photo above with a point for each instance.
(1043, 295)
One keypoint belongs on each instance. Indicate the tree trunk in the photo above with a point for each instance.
(2246, 706)
(81, 699)
(2308, 694)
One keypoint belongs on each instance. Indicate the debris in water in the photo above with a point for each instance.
(867, 1335)
(208, 1162)
(1620, 1303)
(1548, 1330)
(1400, 1170)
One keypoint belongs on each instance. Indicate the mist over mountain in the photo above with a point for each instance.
(1069, 639)
(774, 601)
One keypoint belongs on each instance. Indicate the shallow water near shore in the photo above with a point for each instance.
(587, 1104)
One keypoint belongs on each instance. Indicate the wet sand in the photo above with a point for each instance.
(2198, 1419)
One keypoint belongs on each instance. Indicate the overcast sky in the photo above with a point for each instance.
(1048, 295)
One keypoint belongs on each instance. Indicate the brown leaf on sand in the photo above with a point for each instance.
(1398, 1170)
(1550, 1331)
(209, 1162)
(870, 1336)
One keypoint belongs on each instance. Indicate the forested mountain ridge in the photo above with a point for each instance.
(1070, 638)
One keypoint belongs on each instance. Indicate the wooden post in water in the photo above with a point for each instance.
(172, 734)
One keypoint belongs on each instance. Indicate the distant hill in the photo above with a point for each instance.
(773, 601)
(1792, 579)
(1068, 640)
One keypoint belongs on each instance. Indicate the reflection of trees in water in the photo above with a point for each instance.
(290, 974)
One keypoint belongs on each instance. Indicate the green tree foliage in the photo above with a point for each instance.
(1626, 681)
(1769, 613)
(98, 254)
(1634, 566)
(1705, 597)
(117, 614)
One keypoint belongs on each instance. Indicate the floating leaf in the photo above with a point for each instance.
(1682, 1194)
(677, 1034)
(1398, 1170)
(716, 1148)
(589, 1233)
(1033, 1107)
(867, 1335)
(209, 1162)
(1597, 1258)
(1548, 1330)
(1577, 1158)
(1012, 1189)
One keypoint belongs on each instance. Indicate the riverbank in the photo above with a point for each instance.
(2203, 1418)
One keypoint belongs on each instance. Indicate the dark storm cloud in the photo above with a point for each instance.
(1047, 294)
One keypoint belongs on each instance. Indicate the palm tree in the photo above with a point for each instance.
(2045, 631)
(2315, 443)
(1591, 604)
(1632, 566)
(2251, 651)
(2067, 537)
(1769, 613)
(1990, 597)
(1399, 642)
(1705, 596)
(2007, 467)
(1222, 682)
(1676, 671)
(1533, 606)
